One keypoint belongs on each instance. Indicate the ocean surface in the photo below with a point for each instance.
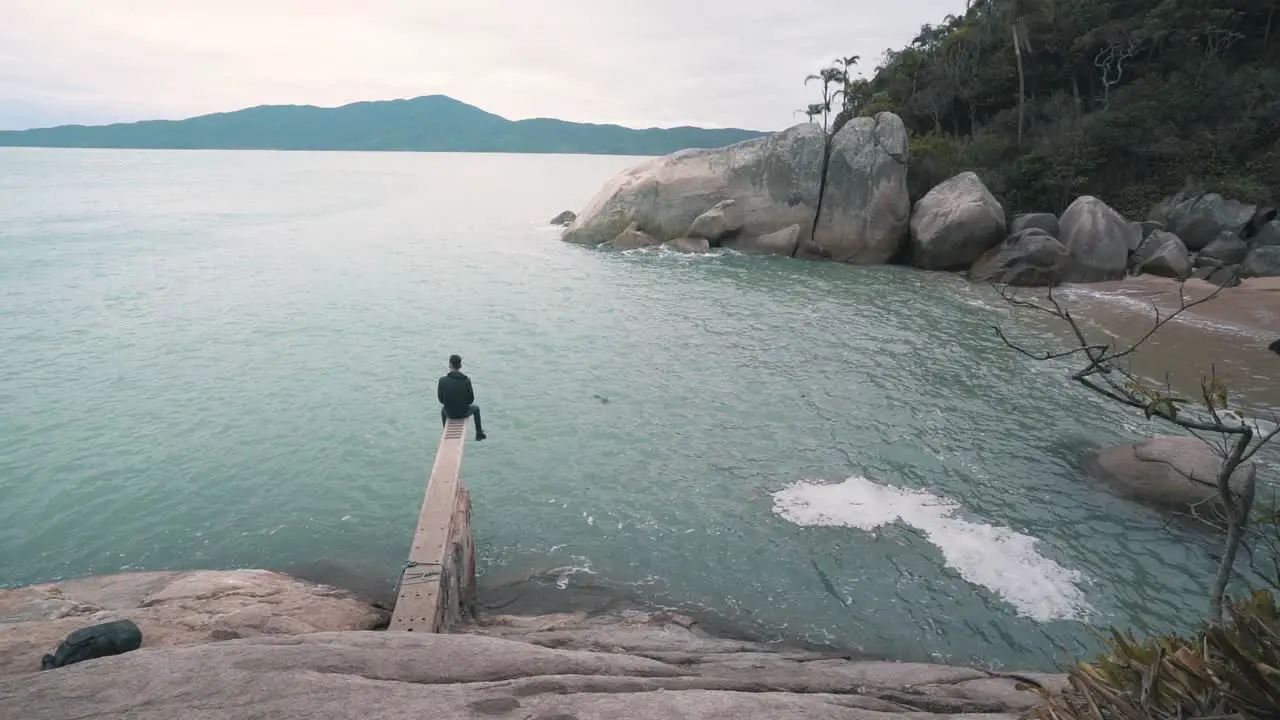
(228, 359)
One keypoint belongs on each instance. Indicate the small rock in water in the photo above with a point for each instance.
(565, 218)
(603, 400)
(1275, 347)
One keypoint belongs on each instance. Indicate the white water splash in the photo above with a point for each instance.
(997, 558)
(565, 574)
(666, 252)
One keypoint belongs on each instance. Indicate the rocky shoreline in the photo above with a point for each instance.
(253, 643)
(844, 197)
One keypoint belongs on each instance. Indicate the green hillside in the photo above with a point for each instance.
(434, 123)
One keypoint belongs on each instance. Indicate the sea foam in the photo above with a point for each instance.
(997, 558)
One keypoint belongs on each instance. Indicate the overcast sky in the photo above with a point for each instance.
(639, 63)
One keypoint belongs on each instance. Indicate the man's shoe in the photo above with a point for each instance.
(480, 436)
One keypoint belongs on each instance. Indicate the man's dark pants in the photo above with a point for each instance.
(472, 412)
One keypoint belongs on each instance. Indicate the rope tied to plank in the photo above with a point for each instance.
(417, 577)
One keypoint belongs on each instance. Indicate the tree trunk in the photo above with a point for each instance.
(1075, 93)
(1238, 511)
(1266, 36)
(1017, 51)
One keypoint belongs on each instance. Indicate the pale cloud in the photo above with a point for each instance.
(632, 62)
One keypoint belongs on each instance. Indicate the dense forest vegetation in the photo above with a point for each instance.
(1128, 100)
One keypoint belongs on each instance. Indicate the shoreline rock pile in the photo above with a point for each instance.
(800, 193)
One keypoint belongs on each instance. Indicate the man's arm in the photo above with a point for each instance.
(471, 395)
(440, 390)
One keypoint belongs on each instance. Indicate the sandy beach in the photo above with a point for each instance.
(1227, 335)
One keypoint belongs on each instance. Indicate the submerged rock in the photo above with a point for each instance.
(782, 242)
(717, 223)
(689, 245)
(773, 180)
(1170, 472)
(1029, 258)
(641, 665)
(632, 238)
(955, 223)
(1097, 239)
(866, 207)
(173, 608)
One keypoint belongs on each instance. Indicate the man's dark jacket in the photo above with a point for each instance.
(455, 394)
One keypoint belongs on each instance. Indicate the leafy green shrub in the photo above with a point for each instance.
(1230, 671)
(934, 158)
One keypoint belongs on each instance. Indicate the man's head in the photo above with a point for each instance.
(455, 362)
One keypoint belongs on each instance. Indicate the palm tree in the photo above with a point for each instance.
(828, 77)
(845, 65)
(812, 112)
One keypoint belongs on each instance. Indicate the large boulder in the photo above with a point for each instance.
(1163, 254)
(1029, 258)
(955, 223)
(1047, 222)
(1170, 472)
(1228, 249)
(631, 238)
(1262, 261)
(774, 180)
(173, 608)
(866, 206)
(782, 242)
(717, 223)
(1263, 228)
(1200, 218)
(560, 667)
(1097, 239)
(1267, 235)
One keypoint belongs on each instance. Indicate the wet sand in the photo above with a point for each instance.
(1227, 335)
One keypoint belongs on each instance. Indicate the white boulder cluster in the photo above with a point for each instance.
(799, 193)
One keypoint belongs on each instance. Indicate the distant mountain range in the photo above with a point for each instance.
(434, 123)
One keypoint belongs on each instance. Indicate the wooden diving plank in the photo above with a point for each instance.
(420, 598)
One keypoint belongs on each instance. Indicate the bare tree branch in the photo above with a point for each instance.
(1225, 430)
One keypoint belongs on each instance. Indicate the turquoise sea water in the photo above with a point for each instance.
(228, 359)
